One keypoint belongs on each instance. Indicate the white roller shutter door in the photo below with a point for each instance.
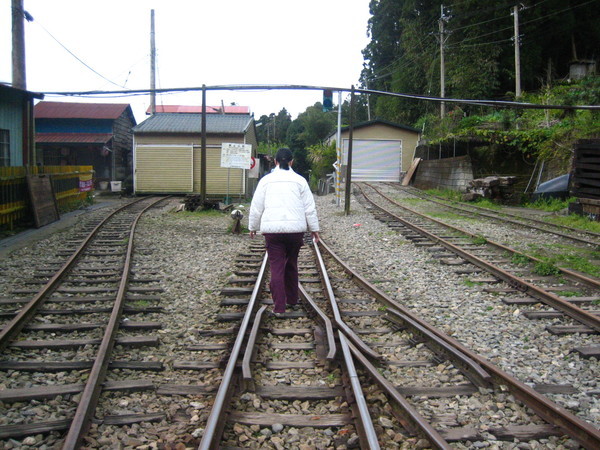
(375, 160)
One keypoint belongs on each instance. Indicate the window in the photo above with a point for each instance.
(4, 148)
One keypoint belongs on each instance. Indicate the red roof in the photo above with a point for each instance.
(69, 110)
(232, 109)
(72, 138)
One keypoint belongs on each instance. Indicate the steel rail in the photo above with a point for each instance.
(418, 424)
(591, 282)
(93, 387)
(337, 317)
(583, 432)
(215, 422)
(471, 369)
(365, 423)
(548, 298)
(323, 317)
(250, 345)
(489, 214)
(12, 328)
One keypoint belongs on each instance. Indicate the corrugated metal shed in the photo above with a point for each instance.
(231, 109)
(162, 123)
(72, 138)
(69, 110)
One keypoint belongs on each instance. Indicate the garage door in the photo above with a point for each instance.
(375, 160)
(164, 169)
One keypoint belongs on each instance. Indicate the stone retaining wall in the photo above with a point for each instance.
(447, 173)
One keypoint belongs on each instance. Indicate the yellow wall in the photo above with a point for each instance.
(220, 181)
(382, 131)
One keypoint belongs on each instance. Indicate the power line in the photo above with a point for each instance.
(77, 57)
(270, 87)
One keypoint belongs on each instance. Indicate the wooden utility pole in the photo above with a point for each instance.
(203, 149)
(517, 53)
(442, 38)
(152, 65)
(349, 162)
(18, 46)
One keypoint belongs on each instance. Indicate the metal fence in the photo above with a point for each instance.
(71, 185)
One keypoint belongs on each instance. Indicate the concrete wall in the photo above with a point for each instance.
(447, 173)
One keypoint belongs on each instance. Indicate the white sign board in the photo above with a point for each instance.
(236, 156)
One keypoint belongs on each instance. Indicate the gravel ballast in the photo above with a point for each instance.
(193, 256)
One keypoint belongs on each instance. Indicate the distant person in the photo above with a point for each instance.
(283, 208)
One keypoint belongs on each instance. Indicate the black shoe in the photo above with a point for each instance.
(295, 307)
(279, 315)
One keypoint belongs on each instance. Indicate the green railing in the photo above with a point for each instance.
(71, 185)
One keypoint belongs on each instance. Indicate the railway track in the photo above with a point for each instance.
(64, 333)
(572, 313)
(588, 238)
(362, 370)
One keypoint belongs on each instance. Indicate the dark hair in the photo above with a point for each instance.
(283, 157)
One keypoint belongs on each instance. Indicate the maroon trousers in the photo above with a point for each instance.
(283, 249)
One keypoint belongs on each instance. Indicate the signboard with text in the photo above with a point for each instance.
(236, 156)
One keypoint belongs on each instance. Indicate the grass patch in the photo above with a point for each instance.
(569, 257)
(550, 204)
(447, 215)
(570, 294)
(575, 221)
(478, 240)
(447, 194)
(199, 214)
(519, 260)
(470, 283)
(545, 268)
(487, 203)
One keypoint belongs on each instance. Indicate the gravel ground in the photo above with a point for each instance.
(194, 257)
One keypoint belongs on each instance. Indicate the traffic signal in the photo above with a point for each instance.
(327, 100)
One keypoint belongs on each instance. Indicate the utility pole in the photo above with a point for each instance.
(517, 53)
(442, 39)
(152, 65)
(18, 45)
(348, 192)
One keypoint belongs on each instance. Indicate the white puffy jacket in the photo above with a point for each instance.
(283, 203)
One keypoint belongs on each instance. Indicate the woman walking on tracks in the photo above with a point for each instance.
(283, 208)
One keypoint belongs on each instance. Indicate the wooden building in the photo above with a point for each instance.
(95, 134)
(16, 127)
(381, 150)
(167, 154)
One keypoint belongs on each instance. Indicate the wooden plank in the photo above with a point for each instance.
(60, 366)
(288, 331)
(185, 389)
(30, 429)
(299, 392)
(208, 347)
(129, 419)
(535, 315)
(555, 389)
(519, 432)
(589, 351)
(291, 420)
(195, 365)
(283, 365)
(134, 341)
(445, 391)
(43, 200)
(293, 345)
(68, 327)
(39, 392)
(411, 171)
(569, 329)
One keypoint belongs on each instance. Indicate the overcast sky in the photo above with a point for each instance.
(212, 42)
